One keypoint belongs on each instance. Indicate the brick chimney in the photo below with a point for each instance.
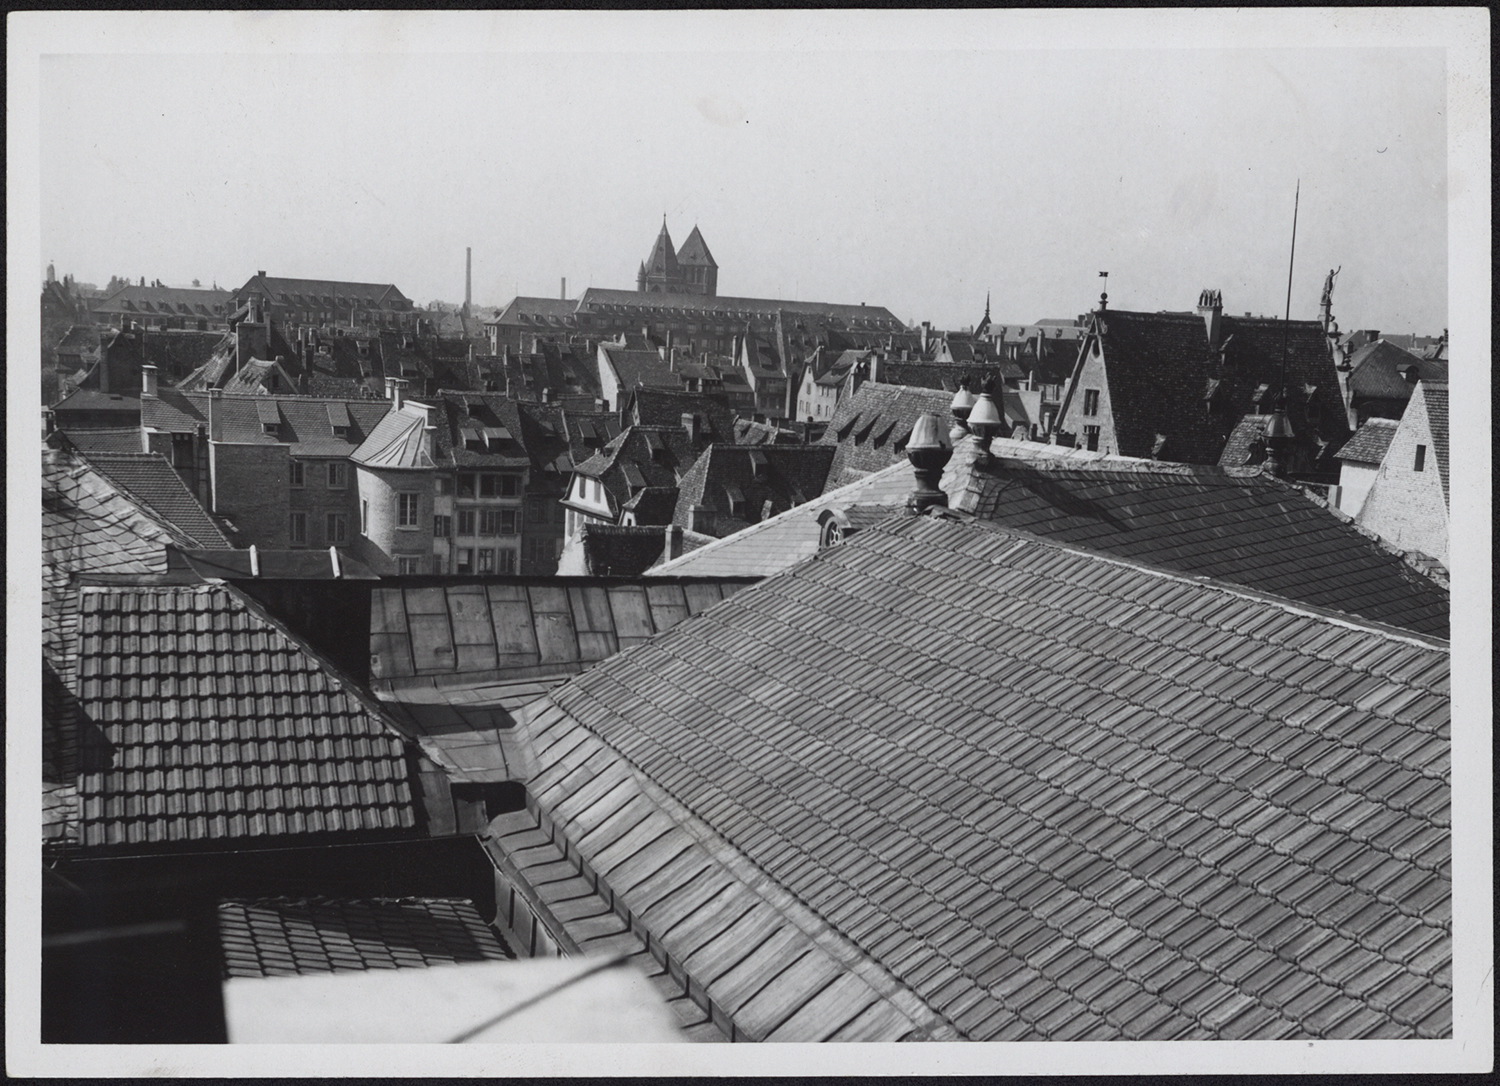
(1211, 309)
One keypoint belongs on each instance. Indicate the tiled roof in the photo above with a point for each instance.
(286, 937)
(788, 475)
(543, 307)
(1246, 444)
(1370, 441)
(1376, 371)
(170, 411)
(787, 538)
(1248, 529)
(947, 781)
(122, 439)
(1157, 364)
(641, 368)
(89, 526)
(867, 426)
(631, 452)
(219, 726)
(150, 480)
(399, 440)
(88, 399)
(304, 422)
(613, 551)
(258, 377)
(665, 408)
(522, 628)
(1435, 396)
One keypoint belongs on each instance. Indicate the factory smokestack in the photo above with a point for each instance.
(468, 280)
(564, 294)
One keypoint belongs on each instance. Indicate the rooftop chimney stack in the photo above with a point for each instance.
(468, 279)
(673, 542)
(564, 294)
(1211, 309)
(148, 381)
(398, 392)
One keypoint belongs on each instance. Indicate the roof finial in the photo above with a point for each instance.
(1103, 294)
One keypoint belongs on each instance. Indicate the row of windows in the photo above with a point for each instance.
(481, 485)
(484, 560)
(477, 522)
(335, 528)
(336, 474)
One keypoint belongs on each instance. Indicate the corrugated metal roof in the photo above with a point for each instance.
(945, 780)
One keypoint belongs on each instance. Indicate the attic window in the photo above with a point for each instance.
(736, 501)
(633, 476)
(655, 444)
(270, 417)
(758, 464)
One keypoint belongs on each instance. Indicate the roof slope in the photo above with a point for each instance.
(731, 309)
(287, 937)
(1370, 441)
(1157, 366)
(637, 369)
(120, 439)
(695, 251)
(214, 724)
(943, 780)
(1377, 371)
(399, 440)
(868, 426)
(150, 480)
(1435, 397)
(1251, 530)
(757, 477)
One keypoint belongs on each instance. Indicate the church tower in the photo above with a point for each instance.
(689, 270)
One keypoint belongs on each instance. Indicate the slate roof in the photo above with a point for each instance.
(1375, 371)
(1370, 441)
(170, 411)
(288, 937)
(610, 550)
(1435, 396)
(1157, 365)
(789, 475)
(1247, 529)
(546, 307)
(88, 399)
(867, 427)
(258, 377)
(328, 293)
(948, 781)
(457, 412)
(150, 480)
(215, 725)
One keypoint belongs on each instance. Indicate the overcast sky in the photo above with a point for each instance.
(912, 170)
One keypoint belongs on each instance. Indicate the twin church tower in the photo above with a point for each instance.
(689, 270)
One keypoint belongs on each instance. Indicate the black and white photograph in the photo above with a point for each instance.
(665, 529)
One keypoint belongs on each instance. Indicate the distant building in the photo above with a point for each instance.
(329, 303)
(1379, 378)
(1407, 504)
(1173, 386)
(166, 308)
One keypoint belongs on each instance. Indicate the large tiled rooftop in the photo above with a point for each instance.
(950, 781)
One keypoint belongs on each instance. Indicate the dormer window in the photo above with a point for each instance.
(736, 499)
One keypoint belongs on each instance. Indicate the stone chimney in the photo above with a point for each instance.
(875, 366)
(148, 381)
(396, 390)
(673, 543)
(215, 395)
(1211, 309)
(926, 334)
